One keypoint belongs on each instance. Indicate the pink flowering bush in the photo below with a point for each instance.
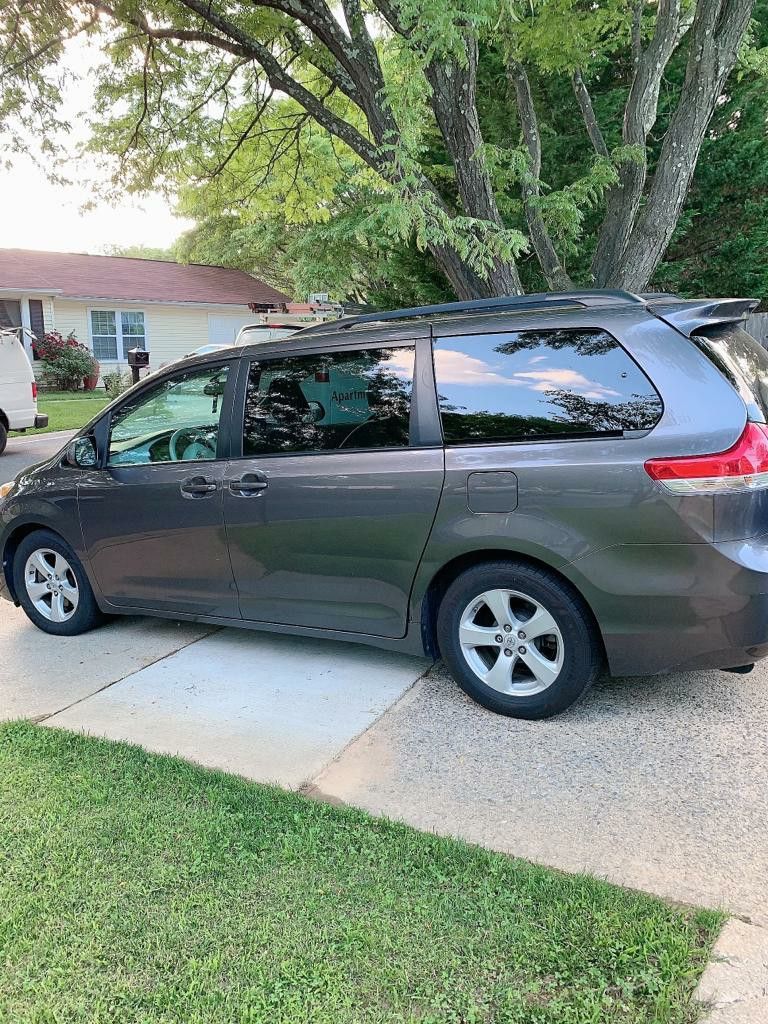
(65, 361)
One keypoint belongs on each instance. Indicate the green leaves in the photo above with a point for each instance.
(564, 211)
(273, 123)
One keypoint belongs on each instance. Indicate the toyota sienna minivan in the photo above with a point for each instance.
(535, 488)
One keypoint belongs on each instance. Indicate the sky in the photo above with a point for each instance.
(40, 215)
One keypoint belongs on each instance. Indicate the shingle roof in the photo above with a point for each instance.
(80, 276)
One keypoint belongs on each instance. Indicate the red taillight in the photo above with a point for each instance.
(744, 467)
(34, 391)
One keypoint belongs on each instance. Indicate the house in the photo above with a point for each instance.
(114, 303)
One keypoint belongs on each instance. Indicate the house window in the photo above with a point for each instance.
(115, 331)
(36, 321)
(10, 313)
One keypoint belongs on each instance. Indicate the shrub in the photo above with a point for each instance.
(64, 361)
(116, 383)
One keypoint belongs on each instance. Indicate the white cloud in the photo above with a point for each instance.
(460, 368)
(553, 379)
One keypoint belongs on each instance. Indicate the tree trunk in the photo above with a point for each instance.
(469, 285)
(554, 271)
(455, 109)
(715, 38)
(623, 200)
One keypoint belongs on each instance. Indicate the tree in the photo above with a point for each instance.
(385, 82)
(721, 244)
(140, 252)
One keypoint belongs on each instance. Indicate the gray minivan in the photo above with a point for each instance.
(534, 488)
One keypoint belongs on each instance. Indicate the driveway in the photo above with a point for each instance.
(655, 783)
(275, 709)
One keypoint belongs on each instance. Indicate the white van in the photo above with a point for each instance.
(18, 390)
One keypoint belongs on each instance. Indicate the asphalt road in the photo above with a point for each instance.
(24, 451)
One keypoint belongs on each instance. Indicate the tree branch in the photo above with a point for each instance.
(588, 113)
(553, 269)
(623, 199)
(716, 33)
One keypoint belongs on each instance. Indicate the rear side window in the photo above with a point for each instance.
(329, 401)
(537, 385)
(742, 360)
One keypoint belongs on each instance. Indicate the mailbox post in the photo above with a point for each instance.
(137, 358)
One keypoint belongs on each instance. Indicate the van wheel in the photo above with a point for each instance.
(52, 587)
(3, 438)
(517, 640)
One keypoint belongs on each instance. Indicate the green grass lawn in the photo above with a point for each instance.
(137, 888)
(68, 410)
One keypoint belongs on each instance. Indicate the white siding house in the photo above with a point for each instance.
(113, 303)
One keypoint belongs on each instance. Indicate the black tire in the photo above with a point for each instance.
(86, 614)
(3, 438)
(577, 650)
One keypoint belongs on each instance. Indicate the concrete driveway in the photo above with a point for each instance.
(272, 708)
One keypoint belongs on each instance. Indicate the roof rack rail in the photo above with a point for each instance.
(540, 300)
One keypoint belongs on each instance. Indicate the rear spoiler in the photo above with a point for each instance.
(690, 315)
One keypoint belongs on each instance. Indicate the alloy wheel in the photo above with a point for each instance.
(51, 585)
(511, 642)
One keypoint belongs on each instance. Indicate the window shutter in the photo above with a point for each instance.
(36, 321)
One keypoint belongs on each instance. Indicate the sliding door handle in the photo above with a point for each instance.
(248, 484)
(198, 487)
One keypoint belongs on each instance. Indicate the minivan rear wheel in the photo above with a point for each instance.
(3, 438)
(517, 639)
(52, 586)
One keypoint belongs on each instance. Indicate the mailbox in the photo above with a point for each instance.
(137, 358)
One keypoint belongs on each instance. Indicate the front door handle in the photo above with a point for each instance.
(198, 487)
(248, 484)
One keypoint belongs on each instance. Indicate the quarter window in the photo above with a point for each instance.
(537, 385)
(329, 401)
(175, 421)
(113, 332)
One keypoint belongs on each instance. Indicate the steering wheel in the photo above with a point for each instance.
(196, 445)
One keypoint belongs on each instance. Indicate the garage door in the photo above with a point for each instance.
(223, 328)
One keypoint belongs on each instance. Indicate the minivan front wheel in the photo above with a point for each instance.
(517, 639)
(52, 586)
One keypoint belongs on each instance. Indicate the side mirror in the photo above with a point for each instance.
(81, 453)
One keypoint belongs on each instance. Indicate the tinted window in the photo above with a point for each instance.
(742, 359)
(329, 401)
(176, 421)
(533, 385)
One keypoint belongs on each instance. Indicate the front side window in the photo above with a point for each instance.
(539, 385)
(329, 401)
(175, 421)
(113, 332)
